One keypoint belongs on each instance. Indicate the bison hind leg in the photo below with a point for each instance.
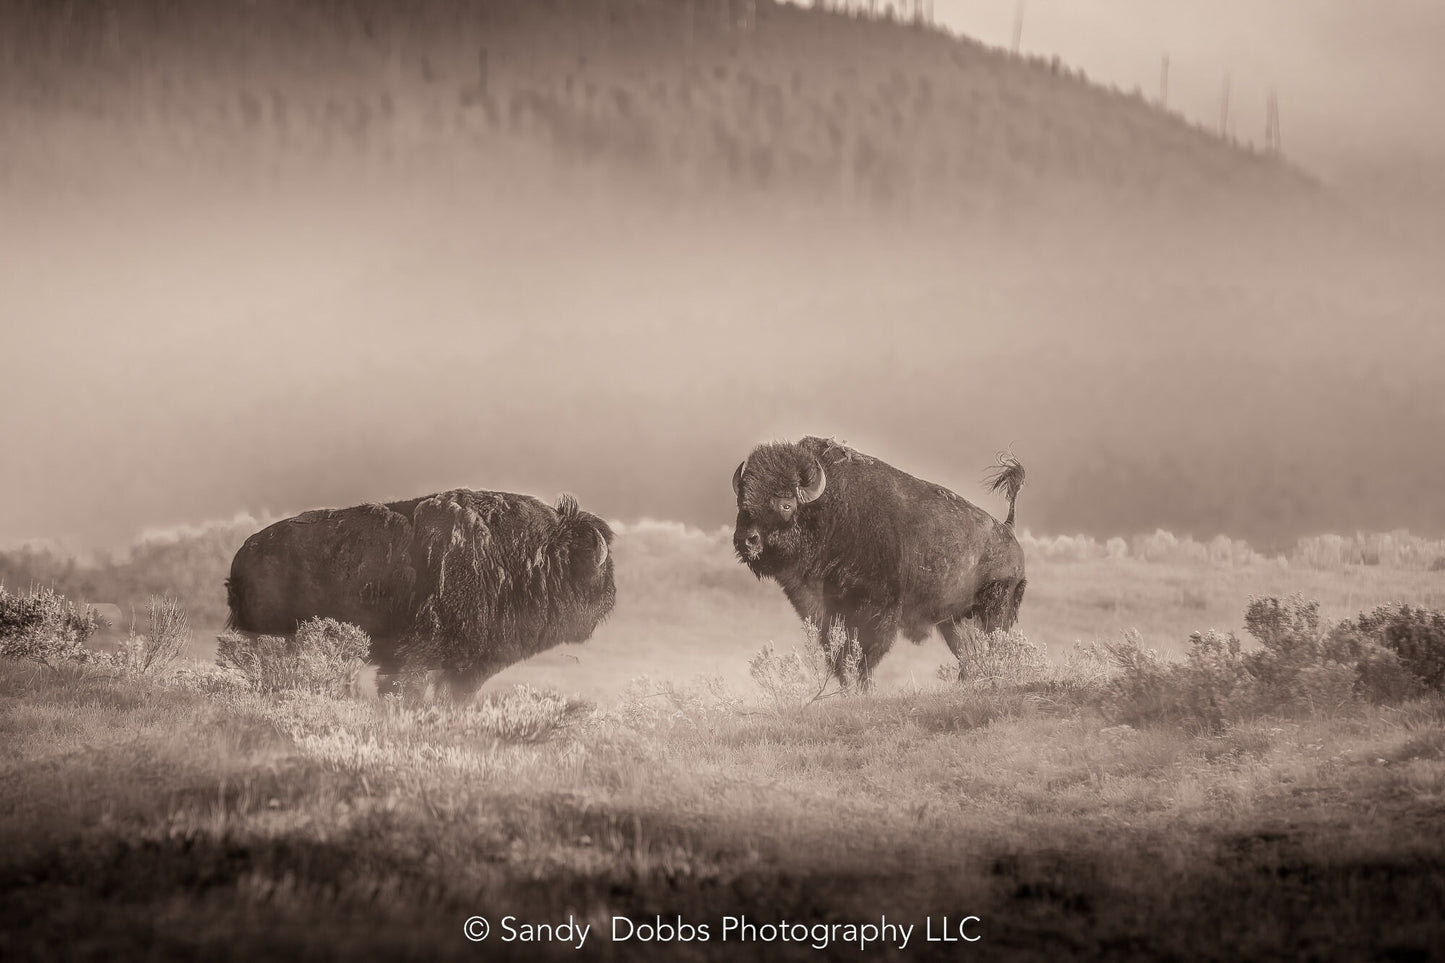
(994, 608)
(997, 604)
(964, 639)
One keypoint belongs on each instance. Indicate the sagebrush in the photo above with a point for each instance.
(1003, 657)
(1302, 665)
(156, 649)
(42, 626)
(827, 665)
(324, 656)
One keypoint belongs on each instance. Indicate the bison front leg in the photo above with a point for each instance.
(835, 636)
(412, 685)
(875, 638)
(808, 601)
(822, 616)
(873, 634)
(461, 685)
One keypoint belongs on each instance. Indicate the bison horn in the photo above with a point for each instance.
(738, 477)
(810, 493)
(602, 549)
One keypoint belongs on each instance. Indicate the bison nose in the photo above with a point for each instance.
(753, 542)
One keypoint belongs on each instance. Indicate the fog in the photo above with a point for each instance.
(1356, 81)
(181, 350)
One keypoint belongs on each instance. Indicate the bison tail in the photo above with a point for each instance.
(1007, 477)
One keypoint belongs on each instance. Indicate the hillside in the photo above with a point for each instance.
(799, 104)
(318, 253)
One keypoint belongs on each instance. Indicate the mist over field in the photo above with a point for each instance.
(249, 274)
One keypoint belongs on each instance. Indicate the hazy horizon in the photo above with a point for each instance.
(179, 350)
(1356, 82)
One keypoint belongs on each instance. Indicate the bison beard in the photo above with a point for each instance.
(465, 583)
(854, 540)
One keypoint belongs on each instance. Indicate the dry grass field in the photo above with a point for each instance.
(141, 819)
(183, 814)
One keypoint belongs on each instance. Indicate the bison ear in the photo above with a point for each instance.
(813, 482)
(738, 477)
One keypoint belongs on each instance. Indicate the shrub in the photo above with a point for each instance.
(1210, 689)
(1215, 683)
(1383, 679)
(324, 656)
(1142, 689)
(1417, 636)
(1326, 688)
(1288, 631)
(1084, 672)
(207, 680)
(824, 668)
(1414, 636)
(1003, 657)
(41, 626)
(1289, 628)
(703, 704)
(1302, 663)
(266, 662)
(1388, 655)
(168, 632)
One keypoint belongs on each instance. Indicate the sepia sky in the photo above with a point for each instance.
(1358, 82)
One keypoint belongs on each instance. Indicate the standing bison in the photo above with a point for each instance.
(854, 540)
(462, 582)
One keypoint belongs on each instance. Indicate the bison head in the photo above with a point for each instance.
(585, 542)
(774, 486)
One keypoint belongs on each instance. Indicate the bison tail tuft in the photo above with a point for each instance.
(1006, 477)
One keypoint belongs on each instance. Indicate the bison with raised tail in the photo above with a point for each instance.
(854, 540)
(463, 583)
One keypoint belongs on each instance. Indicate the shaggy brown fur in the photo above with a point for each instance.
(462, 582)
(852, 539)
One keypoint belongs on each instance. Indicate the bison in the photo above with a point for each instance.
(461, 583)
(853, 540)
